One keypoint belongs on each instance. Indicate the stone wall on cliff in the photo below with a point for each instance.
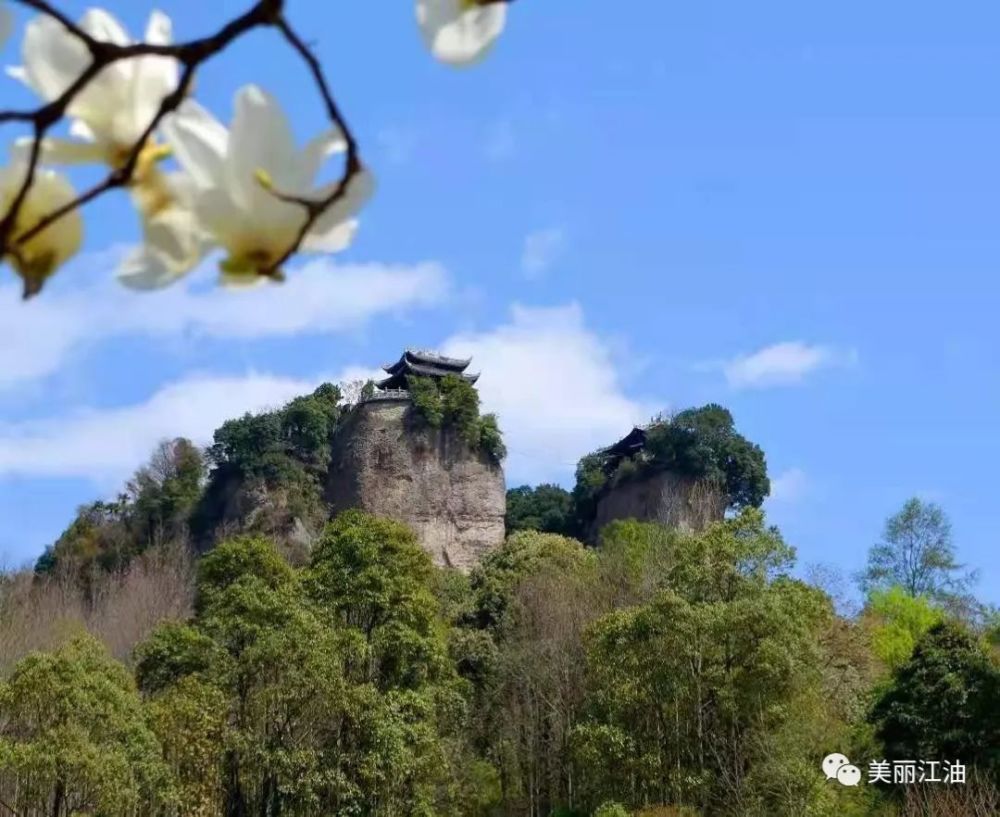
(664, 497)
(452, 497)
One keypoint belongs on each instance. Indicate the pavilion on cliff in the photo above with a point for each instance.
(419, 363)
(626, 448)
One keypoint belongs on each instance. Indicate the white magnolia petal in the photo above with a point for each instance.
(222, 220)
(174, 244)
(153, 78)
(261, 139)
(183, 188)
(159, 29)
(53, 58)
(42, 255)
(334, 230)
(176, 235)
(144, 269)
(457, 33)
(336, 238)
(316, 151)
(200, 143)
(59, 151)
(101, 25)
(242, 280)
(17, 72)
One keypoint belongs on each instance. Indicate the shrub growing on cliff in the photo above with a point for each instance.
(700, 444)
(704, 444)
(453, 403)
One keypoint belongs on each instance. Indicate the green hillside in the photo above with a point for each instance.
(154, 663)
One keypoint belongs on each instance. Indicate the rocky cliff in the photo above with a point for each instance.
(452, 497)
(663, 497)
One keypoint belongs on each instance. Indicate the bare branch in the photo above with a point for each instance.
(191, 55)
(352, 162)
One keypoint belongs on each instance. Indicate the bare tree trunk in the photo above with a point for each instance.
(59, 798)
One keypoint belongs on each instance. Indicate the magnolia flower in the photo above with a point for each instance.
(111, 113)
(238, 174)
(460, 32)
(39, 257)
(173, 240)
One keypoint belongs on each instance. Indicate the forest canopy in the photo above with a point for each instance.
(661, 673)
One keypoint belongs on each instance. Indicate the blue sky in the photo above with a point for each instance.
(786, 208)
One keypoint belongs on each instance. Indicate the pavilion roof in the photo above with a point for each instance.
(630, 444)
(413, 359)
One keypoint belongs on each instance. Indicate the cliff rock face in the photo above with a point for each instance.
(454, 499)
(663, 497)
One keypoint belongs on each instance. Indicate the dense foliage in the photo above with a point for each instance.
(324, 690)
(452, 402)
(944, 701)
(546, 508)
(701, 444)
(660, 673)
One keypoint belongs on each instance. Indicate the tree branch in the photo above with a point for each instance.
(191, 55)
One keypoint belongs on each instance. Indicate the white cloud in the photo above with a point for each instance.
(784, 364)
(554, 385)
(36, 338)
(789, 486)
(106, 446)
(542, 249)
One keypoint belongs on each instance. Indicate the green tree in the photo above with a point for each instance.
(452, 402)
(495, 581)
(333, 683)
(897, 621)
(545, 508)
(636, 559)
(371, 577)
(243, 696)
(74, 738)
(427, 400)
(308, 423)
(491, 438)
(165, 492)
(944, 702)
(591, 479)
(522, 647)
(98, 539)
(247, 443)
(917, 554)
(704, 695)
(703, 443)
